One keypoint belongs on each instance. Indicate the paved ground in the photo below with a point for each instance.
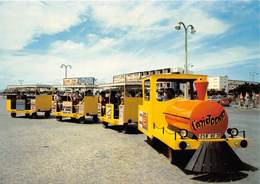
(47, 151)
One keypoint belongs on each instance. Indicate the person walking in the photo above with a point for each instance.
(247, 100)
(241, 100)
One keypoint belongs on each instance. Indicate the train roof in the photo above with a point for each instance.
(119, 84)
(175, 76)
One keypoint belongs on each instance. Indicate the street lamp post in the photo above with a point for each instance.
(66, 68)
(192, 31)
(186, 29)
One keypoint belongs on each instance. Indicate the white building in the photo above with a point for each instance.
(218, 83)
(138, 76)
(232, 84)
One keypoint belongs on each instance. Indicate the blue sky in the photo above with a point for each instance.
(105, 38)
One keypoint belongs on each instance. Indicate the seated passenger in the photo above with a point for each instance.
(18, 96)
(103, 101)
(169, 94)
(57, 98)
(76, 98)
(159, 95)
(88, 93)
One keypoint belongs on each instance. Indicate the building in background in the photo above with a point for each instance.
(138, 76)
(232, 84)
(78, 81)
(218, 83)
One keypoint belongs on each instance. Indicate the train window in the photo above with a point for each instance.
(168, 89)
(147, 90)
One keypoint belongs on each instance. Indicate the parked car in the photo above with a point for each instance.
(224, 101)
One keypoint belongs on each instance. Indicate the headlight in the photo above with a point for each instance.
(232, 131)
(183, 133)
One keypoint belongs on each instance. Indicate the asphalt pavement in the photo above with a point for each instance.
(47, 151)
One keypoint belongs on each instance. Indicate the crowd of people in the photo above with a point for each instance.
(168, 94)
(75, 97)
(249, 100)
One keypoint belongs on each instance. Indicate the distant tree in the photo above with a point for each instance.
(247, 88)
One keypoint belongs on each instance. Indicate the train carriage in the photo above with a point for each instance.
(29, 100)
(118, 103)
(66, 108)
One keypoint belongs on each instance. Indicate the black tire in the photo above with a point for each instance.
(73, 119)
(150, 141)
(105, 124)
(27, 115)
(59, 118)
(124, 128)
(95, 118)
(82, 120)
(34, 115)
(170, 154)
(47, 114)
(13, 115)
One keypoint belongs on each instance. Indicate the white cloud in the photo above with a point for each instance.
(22, 21)
(101, 57)
(224, 57)
(88, 61)
(85, 61)
(142, 19)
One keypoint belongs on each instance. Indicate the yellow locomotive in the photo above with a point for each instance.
(189, 123)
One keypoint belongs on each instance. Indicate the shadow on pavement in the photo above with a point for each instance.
(76, 121)
(183, 160)
(131, 129)
(35, 118)
(228, 177)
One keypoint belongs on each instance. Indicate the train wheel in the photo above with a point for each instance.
(73, 119)
(105, 124)
(27, 115)
(13, 115)
(95, 118)
(59, 118)
(170, 154)
(34, 115)
(82, 120)
(124, 129)
(150, 141)
(47, 114)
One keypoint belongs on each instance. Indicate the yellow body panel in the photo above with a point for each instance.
(41, 103)
(88, 106)
(151, 118)
(8, 105)
(128, 112)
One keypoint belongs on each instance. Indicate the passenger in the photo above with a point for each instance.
(103, 101)
(113, 97)
(23, 96)
(18, 96)
(57, 97)
(118, 98)
(169, 94)
(160, 95)
(76, 98)
(88, 93)
(179, 93)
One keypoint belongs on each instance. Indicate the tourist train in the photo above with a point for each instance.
(170, 108)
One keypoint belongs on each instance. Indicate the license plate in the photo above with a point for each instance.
(210, 136)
